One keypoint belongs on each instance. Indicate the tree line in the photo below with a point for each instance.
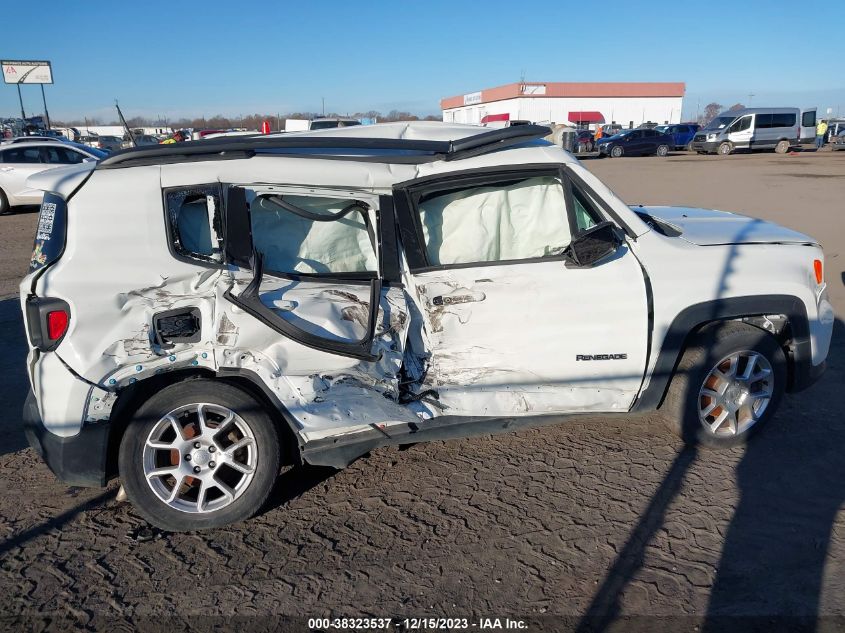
(712, 110)
(250, 121)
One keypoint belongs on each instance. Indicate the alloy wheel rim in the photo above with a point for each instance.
(200, 458)
(735, 394)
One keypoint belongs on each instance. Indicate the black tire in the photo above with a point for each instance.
(782, 147)
(680, 409)
(4, 204)
(725, 149)
(662, 150)
(616, 151)
(130, 457)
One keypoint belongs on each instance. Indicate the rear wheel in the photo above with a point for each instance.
(782, 147)
(662, 150)
(199, 454)
(616, 151)
(725, 149)
(728, 384)
(4, 204)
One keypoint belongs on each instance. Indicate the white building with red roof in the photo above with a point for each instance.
(573, 103)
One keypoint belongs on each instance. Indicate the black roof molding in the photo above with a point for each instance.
(386, 150)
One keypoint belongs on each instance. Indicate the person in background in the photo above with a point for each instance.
(599, 133)
(178, 137)
(821, 131)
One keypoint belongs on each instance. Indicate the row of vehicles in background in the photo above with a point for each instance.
(636, 142)
(778, 129)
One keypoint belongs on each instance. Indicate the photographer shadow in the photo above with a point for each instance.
(790, 479)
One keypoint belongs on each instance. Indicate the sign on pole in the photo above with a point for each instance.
(27, 72)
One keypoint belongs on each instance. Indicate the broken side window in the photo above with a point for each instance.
(513, 220)
(194, 223)
(313, 234)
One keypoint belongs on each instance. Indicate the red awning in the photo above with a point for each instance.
(489, 118)
(586, 117)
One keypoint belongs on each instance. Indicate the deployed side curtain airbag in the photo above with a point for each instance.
(517, 220)
(320, 235)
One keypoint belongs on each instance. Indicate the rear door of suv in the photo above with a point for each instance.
(320, 267)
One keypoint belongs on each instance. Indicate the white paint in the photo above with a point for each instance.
(622, 110)
(504, 340)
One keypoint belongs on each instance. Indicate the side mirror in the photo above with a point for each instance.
(593, 245)
(89, 160)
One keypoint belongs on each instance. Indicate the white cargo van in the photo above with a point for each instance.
(756, 129)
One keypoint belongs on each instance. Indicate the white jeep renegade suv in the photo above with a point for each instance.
(199, 312)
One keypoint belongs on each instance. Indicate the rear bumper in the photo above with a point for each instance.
(78, 460)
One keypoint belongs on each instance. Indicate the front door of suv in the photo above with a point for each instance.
(510, 327)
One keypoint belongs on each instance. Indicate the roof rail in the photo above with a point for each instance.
(325, 146)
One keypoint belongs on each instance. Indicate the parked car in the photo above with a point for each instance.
(682, 134)
(260, 308)
(637, 142)
(584, 141)
(18, 161)
(610, 129)
(141, 139)
(89, 139)
(756, 128)
(108, 143)
(835, 127)
(837, 141)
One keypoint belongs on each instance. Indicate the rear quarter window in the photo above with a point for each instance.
(194, 223)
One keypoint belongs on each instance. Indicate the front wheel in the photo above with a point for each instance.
(199, 454)
(662, 150)
(728, 384)
(616, 151)
(4, 203)
(725, 149)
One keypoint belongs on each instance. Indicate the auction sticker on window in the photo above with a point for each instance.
(50, 233)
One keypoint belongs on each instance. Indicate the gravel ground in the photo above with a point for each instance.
(576, 524)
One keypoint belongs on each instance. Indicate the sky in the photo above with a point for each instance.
(189, 58)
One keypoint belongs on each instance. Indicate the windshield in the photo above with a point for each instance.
(719, 122)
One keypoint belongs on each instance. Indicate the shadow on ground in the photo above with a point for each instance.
(771, 570)
(14, 384)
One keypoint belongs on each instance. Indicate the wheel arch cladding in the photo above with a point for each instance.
(695, 318)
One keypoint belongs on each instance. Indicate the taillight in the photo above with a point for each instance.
(47, 321)
(817, 268)
(57, 322)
